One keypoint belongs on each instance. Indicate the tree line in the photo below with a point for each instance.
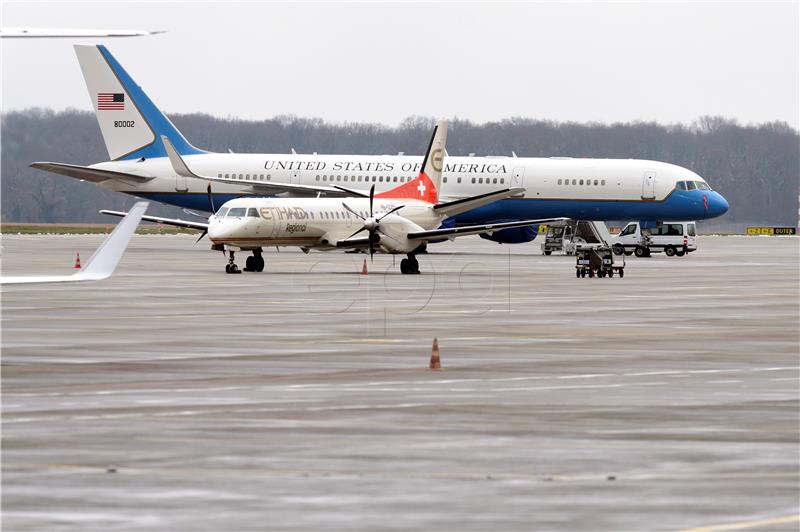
(756, 167)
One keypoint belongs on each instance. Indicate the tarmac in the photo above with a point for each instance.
(175, 397)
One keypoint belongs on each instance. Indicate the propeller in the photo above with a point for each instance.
(213, 210)
(371, 223)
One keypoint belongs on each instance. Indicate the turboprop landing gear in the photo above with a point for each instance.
(254, 263)
(231, 267)
(409, 265)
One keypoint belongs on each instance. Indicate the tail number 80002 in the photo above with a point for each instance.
(124, 123)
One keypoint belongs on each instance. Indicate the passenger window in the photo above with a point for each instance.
(227, 176)
(581, 182)
(595, 182)
(252, 213)
(574, 181)
(494, 181)
(473, 180)
(690, 185)
(502, 180)
(559, 181)
(458, 180)
(240, 176)
(603, 182)
(219, 175)
(269, 176)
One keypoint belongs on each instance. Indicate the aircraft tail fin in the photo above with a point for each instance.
(130, 122)
(427, 185)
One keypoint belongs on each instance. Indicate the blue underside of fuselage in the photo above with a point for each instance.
(679, 206)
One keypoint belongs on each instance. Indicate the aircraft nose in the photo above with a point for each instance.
(717, 205)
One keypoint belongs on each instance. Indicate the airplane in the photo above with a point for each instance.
(583, 189)
(38, 33)
(401, 220)
(105, 259)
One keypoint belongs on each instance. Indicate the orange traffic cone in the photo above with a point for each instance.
(77, 261)
(435, 362)
(364, 268)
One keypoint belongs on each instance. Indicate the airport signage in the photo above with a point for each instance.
(771, 231)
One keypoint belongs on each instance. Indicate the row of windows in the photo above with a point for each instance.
(252, 212)
(365, 178)
(255, 177)
(597, 182)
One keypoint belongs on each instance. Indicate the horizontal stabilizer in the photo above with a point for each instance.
(87, 173)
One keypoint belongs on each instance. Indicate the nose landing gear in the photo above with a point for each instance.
(231, 267)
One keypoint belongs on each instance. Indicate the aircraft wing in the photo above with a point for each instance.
(182, 169)
(476, 229)
(452, 208)
(32, 33)
(354, 243)
(104, 261)
(166, 221)
(95, 175)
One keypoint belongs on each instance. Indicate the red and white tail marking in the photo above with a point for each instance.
(426, 186)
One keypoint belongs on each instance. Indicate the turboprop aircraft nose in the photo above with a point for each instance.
(716, 205)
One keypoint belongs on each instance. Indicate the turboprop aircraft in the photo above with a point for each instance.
(105, 259)
(582, 189)
(400, 220)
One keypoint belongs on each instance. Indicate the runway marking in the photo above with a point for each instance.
(742, 525)
(786, 379)
(722, 382)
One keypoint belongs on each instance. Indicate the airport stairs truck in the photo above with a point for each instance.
(594, 253)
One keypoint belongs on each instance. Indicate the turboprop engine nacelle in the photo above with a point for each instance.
(394, 230)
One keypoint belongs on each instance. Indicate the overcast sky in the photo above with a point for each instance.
(607, 62)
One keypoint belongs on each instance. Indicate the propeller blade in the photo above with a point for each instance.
(205, 232)
(371, 248)
(352, 211)
(354, 234)
(371, 198)
(390, 212)
(211, 199)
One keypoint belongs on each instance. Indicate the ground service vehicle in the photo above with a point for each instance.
(673, 238)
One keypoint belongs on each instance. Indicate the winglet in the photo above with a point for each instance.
(105, 259)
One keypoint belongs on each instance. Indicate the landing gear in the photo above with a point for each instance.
(254, 263)
(409, 265)
(231, 267)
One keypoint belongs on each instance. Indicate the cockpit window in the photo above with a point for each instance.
(221, 212)
(237, 211)
(702, 185)
(690, 185)
(680, 185)
(252, 213)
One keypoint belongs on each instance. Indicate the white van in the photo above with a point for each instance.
(673, 238)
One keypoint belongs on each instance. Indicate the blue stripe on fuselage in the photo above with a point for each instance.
(679, 206)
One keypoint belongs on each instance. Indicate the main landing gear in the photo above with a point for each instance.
(409, 265)
(254, 263)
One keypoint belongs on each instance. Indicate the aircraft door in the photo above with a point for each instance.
(180, 183)
(649, 185)
(516, 178)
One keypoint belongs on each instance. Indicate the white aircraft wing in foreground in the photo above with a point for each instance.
(104, 260)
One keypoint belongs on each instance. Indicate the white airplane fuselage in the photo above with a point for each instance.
(591, 189)
(316, 223)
